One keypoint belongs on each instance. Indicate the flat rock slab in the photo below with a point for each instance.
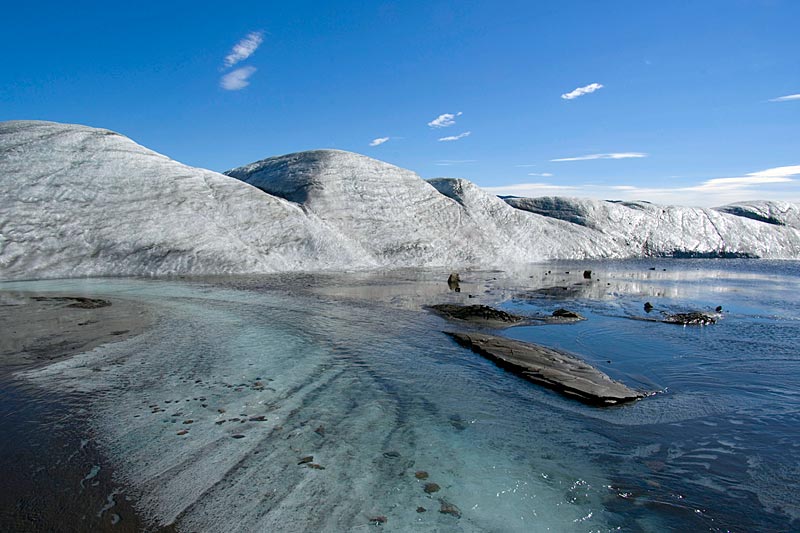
(481, 315)
(557, 370)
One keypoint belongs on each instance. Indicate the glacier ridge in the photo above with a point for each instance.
(81, 201)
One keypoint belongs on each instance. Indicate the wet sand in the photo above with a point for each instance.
(40, 328)
(54, 478)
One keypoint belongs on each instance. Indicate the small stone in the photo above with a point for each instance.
(220, 410)
(587, 274)
(421, 509)
(306, 459)
(648, 307)
(718, 309)
(566, 313)
(316, 466)
(218, 422)
(449, 508)
(238, 436)
(378, 520)
(320, 431)
(188, 421)
(259, 418)
(430, 488)
(421, 474)
(183, 432)
(391, 454)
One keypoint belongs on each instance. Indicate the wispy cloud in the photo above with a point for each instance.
(771, 175)
(617, 155)
(444, 121)
(787, 98)
(541, 174)
(774, 183)
(455, 137)
(378, 141)
(450, 162)
(244, 48)
(580, 91)
(238, 79)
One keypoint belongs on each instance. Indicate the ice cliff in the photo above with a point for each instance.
(80, 201)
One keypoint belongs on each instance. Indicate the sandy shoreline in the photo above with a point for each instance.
(41, 328)
(55, 478)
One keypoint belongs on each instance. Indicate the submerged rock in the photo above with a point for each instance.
(449, 508)
(421, 474)
(554, 369)
(430, 488)
(477, 314)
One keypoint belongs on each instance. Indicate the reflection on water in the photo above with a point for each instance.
(207, 415)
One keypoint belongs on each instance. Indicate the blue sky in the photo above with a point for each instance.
(689, 110)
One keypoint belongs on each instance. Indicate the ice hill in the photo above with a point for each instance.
(645, 229)
(80, 201)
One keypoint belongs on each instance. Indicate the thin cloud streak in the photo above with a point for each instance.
(772, 183)
(618, 155)
(787, 98)
(244, 48)
(238, 79)
(455, 137)
(445, 120)
(541, 174)
(580, 91)
(379, 141)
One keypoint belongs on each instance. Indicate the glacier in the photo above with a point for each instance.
(81, 201)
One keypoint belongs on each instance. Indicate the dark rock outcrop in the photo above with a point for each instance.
(567, 314)
(478, 314)
(692, 318)
(554, 369)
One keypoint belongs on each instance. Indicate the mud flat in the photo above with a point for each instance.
(54, 477)
(41, 328)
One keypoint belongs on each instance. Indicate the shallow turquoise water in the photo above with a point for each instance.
(346, 368)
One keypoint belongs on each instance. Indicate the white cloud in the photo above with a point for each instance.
(618, 155)
(444, 121)
(456, 137)
(541, 174)
(378, 141)
(244, 48)
(238, 79)
(787, 98)
(771, 175)
(774, 183)
(580, 91)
